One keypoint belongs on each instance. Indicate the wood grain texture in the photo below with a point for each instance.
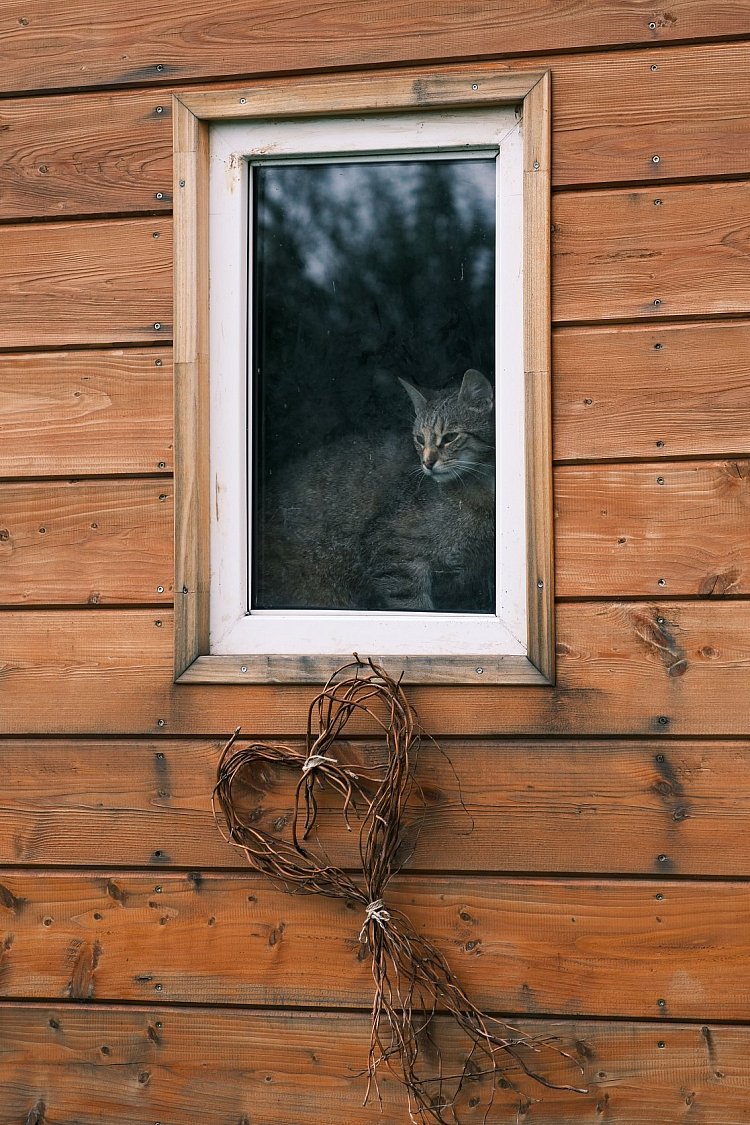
(675, 251)
(86, 283)
(559, 946)
(687, 106)
(95, 1064)
(623, 668)
(537, 361)
(193, 487)
(97, 44)
(681, 528)
(569, 807)
(75, 413)
(651, 391)
(81, 155)
(74, 543)
(97, 153)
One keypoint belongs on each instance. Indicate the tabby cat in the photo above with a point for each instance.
(363, 524)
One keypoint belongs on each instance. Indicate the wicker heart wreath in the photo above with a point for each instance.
(413, 981)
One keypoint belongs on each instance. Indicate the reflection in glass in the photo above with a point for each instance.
(373, 351)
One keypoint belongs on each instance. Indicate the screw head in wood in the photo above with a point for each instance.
(656, 159)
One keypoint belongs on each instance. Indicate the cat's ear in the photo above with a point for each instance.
(476, 390)
(417, 398)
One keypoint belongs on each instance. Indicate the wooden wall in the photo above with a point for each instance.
(600, 888)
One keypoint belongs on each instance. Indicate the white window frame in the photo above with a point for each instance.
(236, 148)
(216, 639)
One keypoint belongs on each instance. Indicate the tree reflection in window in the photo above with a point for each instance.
(364, 273)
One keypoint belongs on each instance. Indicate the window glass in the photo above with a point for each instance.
(372, 358)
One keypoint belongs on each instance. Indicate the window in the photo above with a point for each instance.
(362, 379)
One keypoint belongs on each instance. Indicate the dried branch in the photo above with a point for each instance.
(412, 979)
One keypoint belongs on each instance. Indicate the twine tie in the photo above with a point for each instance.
(375, 911)
(315, 760)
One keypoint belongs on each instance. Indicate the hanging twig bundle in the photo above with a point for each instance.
(413, 981)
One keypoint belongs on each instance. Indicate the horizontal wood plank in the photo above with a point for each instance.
(96, 44)
(94, 1064)
(103, 543)
(675, 251)
(651, 391)
(645, 529)
(573, 807)
(98, 153)
(568, 947)
(616, 394)
(82, 155)
(75, 413)
(614, 113)
(86, 283)
(623, 668)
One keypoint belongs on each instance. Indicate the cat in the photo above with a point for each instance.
(366, 524)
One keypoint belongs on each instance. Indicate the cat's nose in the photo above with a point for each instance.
(429, 457)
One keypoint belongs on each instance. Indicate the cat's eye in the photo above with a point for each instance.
(448, 438)
(419, 439)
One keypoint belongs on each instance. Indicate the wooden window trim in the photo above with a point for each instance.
(454, 87)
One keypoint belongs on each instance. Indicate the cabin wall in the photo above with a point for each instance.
(593, 883)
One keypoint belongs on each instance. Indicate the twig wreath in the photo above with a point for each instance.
(413, 981)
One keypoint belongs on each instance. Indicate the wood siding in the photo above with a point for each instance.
(585, 856)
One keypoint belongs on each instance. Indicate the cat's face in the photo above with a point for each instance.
(454, 433)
